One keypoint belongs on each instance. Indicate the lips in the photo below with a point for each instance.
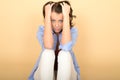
(57, 29)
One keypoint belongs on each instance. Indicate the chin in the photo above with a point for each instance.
(57, 31)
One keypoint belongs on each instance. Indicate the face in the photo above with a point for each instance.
(57, 21)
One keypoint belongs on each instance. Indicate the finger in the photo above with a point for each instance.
(65, 4)
(48, 5)
(61, 4)
(52, 4)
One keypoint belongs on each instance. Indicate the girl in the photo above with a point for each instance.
(57, 37)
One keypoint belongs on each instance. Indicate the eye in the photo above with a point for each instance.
(52, 20)
(60, 21)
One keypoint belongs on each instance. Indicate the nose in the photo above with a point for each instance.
(56, 24)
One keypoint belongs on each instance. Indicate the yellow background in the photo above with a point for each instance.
(97, 48)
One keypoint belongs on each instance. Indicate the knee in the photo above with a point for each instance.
(64, 56)
(47, 54)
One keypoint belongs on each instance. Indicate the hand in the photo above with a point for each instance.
(48, 9)
(65, 9)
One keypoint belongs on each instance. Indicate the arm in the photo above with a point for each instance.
(68, 46)
(66, 35)
(48, 37)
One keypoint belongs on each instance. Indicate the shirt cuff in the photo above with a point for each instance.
(66, 47)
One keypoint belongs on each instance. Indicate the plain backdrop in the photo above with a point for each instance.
(97, 48)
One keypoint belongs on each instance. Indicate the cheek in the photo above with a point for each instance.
(61, 26)
(53, 27)
(53, 24)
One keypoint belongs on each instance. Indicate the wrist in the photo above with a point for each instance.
(66, 19)
(66, 16)
(47, 16)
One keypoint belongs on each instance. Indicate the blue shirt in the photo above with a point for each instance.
(67, 47)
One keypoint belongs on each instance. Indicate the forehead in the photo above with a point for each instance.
(55, 15)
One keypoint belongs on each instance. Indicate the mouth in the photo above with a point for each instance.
(57, 30)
